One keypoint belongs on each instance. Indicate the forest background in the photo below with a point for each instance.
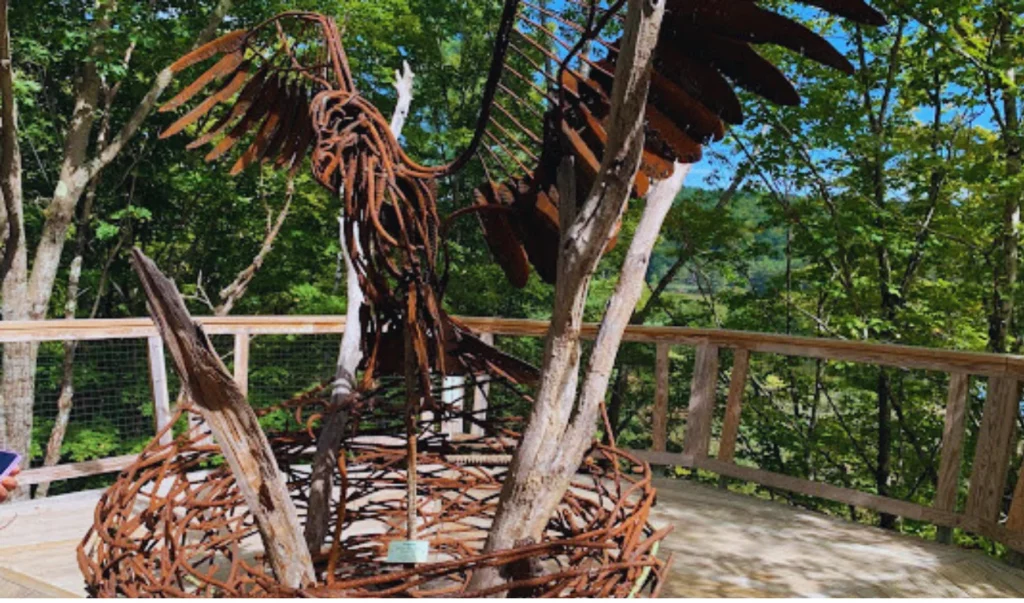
(885, 208)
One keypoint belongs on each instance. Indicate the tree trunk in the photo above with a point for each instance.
(1002, 317)
(552, 447)
(67, 380)
(26, 294)
(65, 401)
(19, 359)
(234, 424)
(884, 461)
(325, 460)
(890, 303)
(640, 316)
(534, 484)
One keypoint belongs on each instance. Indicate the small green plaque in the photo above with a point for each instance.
(408, 551)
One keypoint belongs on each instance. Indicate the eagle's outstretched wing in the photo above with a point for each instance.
(265, 80)
(706, 50)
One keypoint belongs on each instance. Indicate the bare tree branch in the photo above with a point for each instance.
(236, 290)
(148, 103)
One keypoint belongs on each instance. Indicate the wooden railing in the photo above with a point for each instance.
(995, 441)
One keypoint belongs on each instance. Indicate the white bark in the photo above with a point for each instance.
(403, 85)
(350, 354)
(623, 302)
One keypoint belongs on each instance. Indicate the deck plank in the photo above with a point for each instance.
(39, 543)
(14, 585)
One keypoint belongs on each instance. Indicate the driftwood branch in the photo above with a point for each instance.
(233, 423)
(623, 303)
(403, 85)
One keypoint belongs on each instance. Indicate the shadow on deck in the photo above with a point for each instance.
(725, 545)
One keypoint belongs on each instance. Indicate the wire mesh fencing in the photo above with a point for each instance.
(281, 366)
(802, 416)
(96, 399)
(109, 400)
(79, 401)
(76, 401)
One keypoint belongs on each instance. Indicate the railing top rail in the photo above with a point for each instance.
(133, 328)
(975, 363)
(954, 361)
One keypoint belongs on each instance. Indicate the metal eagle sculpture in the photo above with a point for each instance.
(283, 91)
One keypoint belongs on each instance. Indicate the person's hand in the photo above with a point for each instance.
(8, 485)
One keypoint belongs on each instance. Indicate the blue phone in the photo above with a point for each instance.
(8, 462)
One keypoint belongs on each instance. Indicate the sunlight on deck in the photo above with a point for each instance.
(729, 545)
(725, 545)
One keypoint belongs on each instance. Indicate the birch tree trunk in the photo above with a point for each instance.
(27, 292)
(561, 424)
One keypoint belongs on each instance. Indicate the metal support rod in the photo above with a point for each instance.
(411, 413)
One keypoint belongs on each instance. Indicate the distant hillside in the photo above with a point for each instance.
(742, 229)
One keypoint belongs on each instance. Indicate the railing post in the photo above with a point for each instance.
(453, 393)
(480, 395)
(992, 455)
(158, 384)
(1015, 518)
(242, 361)
(734, 406)
(702, 402)
(952, 450)
(659, 419)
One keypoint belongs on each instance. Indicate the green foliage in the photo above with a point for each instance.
(872, 212)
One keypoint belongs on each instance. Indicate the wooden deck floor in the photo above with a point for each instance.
(725, 545)
(729, 545)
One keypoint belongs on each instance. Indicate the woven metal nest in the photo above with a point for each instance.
(175, 525)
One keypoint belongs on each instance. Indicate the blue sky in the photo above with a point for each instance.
(718, 167)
